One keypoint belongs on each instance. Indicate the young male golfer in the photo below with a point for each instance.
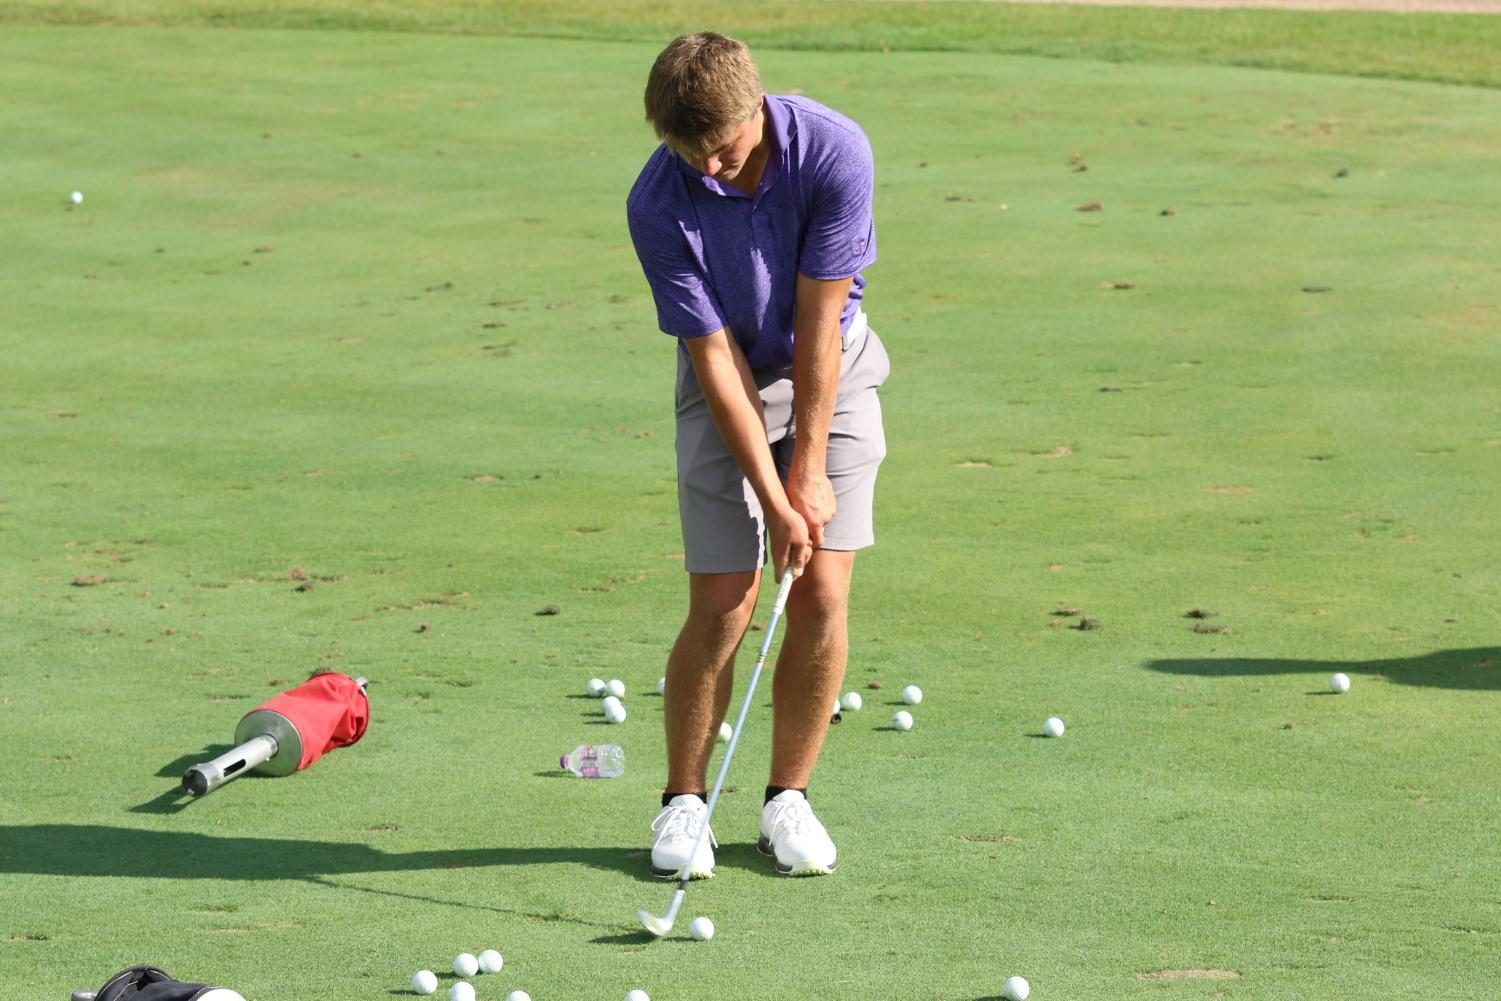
(753, 222)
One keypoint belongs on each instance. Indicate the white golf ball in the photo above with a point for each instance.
(461, 991)
(902, 720)
(490, 961)
(615, 713)
(661, 685)
(835, 710)
(424, 982)
(518, 996)
(1339, 683)
(1052, 727)
(702, 929)
(610, 700)
(851, 701)
(465, 965)
(1016, 989)
(77, 197)
(637, 995)
(725, 732)
(595, 688)
(617, 688)
(912, 695)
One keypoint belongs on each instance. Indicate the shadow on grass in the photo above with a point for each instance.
(492, 908)
(175, 769)
(1475, 668)
(743, 856)
(97, 850)
(174, 800)
(638, 937)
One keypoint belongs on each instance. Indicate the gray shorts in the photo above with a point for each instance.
(723, 527)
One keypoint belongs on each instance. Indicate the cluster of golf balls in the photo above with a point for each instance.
(853, 702)
(465, 964)
(611, 692)
(902, 720)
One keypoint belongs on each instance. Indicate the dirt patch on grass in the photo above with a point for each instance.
(1190, 975)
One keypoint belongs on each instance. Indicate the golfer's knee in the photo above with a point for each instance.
(819, 598)
(722, 603)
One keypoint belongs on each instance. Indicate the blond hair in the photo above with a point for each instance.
(700, 88)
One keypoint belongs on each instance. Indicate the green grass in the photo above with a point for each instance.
(1447, 48)
(362, 305)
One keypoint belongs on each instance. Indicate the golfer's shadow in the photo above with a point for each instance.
(1475, 668)
(98, 850)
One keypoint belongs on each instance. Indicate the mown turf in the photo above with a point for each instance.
(1448, 48)
(360, 308)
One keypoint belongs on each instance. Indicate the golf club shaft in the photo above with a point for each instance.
(729, 751)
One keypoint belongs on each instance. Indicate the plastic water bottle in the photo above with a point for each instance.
(595, 761)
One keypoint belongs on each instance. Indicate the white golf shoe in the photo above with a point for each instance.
(791, 833)
(677, 828)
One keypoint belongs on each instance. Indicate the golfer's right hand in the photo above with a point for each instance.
(791, 542)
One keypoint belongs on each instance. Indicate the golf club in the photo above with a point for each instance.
(660, 926)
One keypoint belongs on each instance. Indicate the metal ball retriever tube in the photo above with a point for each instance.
(265, 742)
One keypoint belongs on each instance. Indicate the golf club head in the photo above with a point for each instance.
(657, 926)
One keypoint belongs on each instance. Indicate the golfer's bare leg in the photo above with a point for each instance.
(701, 672)
(810, 666)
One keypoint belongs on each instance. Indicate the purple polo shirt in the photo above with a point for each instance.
(716, 257)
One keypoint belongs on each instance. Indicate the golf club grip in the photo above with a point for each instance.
(783, 590)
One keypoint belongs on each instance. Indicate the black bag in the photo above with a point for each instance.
(147, 983)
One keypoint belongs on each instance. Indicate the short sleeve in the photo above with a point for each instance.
(841, 233)
(686, 306)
